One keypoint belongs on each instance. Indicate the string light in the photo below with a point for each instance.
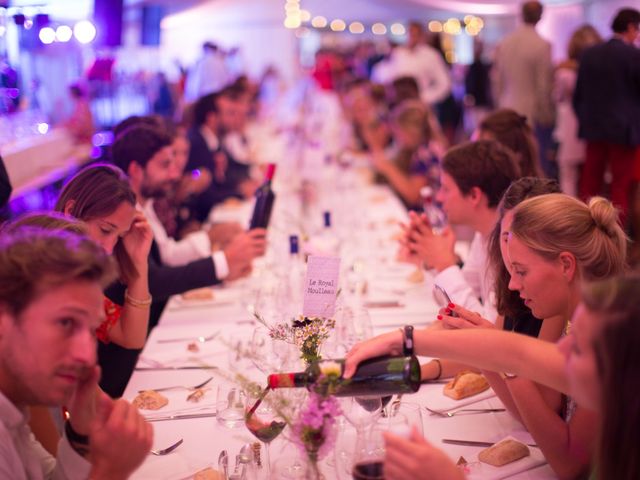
(435, 26)
(378, 29)
(398, 29)
(356, 28)
(319, 22)
(337, 25)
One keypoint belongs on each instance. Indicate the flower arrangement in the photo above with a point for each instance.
(306, 333)
(315, 428)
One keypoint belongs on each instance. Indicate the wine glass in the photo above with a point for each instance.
(361, 412)
(368, 458)
(263, 421)
(268, 355)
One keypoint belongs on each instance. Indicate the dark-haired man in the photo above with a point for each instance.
(607, 103)
(51, 303)
(473, 179)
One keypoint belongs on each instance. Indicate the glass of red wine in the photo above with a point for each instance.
(368, 459)
(264, 422)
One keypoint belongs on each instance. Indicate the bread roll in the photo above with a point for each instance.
(150, 400)
(503, 452)
(198, 294)
(208, 474)
(465, 384)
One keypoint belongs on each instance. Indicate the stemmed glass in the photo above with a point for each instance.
(264, 422)
(267, 354)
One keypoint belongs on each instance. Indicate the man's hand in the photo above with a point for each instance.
(223, 233)
(435, 251)
(243, 249)
(119, 440)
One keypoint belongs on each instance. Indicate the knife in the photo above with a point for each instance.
(383, 304)
(193, 367)
(473, 443)
(183, 416)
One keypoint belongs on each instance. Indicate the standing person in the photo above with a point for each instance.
(80, 123)
(523, 79)
(50, 305)
(5, 185)
(607, 104)
(423, 62)
(571, 150)
(514, 132)
(208, 75)
(478, 99)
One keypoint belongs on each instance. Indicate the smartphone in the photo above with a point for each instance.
(443, 297)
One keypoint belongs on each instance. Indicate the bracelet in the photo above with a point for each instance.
(407, 340)
(134, 302)
(80, 443)
(437, 377)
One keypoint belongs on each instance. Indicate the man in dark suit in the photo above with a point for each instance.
(5, 185)
(607, 104)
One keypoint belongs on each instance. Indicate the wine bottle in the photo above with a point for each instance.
(436, 216)
(378, 376)
(264, 201)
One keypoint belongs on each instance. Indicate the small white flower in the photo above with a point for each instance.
(329, 368)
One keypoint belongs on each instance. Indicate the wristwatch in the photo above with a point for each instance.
(407, 340)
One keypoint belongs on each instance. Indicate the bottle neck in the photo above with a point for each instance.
(327, 219)
(287, 380)
(294, 246)
(271, 170)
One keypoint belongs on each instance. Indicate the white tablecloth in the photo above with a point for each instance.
(204, 438)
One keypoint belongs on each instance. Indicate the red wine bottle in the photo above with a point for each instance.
(264, 201)
(376, 376)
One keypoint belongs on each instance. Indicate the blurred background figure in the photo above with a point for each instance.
(522, 80)
(208, 75)
(478, 100)
(571, 150)
(80, 123)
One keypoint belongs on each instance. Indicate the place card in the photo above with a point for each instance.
(321, 286)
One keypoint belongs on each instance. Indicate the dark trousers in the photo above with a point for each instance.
(621, 160)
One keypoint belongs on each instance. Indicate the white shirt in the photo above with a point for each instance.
(472, 285)
(194, 246)
(208, 75)
(426, 65)
(22, 457)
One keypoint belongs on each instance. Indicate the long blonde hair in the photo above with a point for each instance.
(555, 223)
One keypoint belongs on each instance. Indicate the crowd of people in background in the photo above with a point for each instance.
(146, 209)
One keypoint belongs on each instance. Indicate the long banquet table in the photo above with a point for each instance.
(229, 314)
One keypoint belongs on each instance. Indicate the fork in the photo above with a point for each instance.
(468, 410)
(200, 339)
(195, 387)
(167, 450)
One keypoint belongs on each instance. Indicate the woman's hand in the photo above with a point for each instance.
(385, 344)
(417, 459)
(464, 319)
(137, 242)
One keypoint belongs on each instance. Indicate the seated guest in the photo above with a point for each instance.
(80, 123)
(113, 223)
(95, 186)
(146, 155)
(409, 168)
(208, 156)
(596, 363)
(233, 120)
(512, 130)
(551, 244)
(513, 314)
(473, 178)
(50, 305)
